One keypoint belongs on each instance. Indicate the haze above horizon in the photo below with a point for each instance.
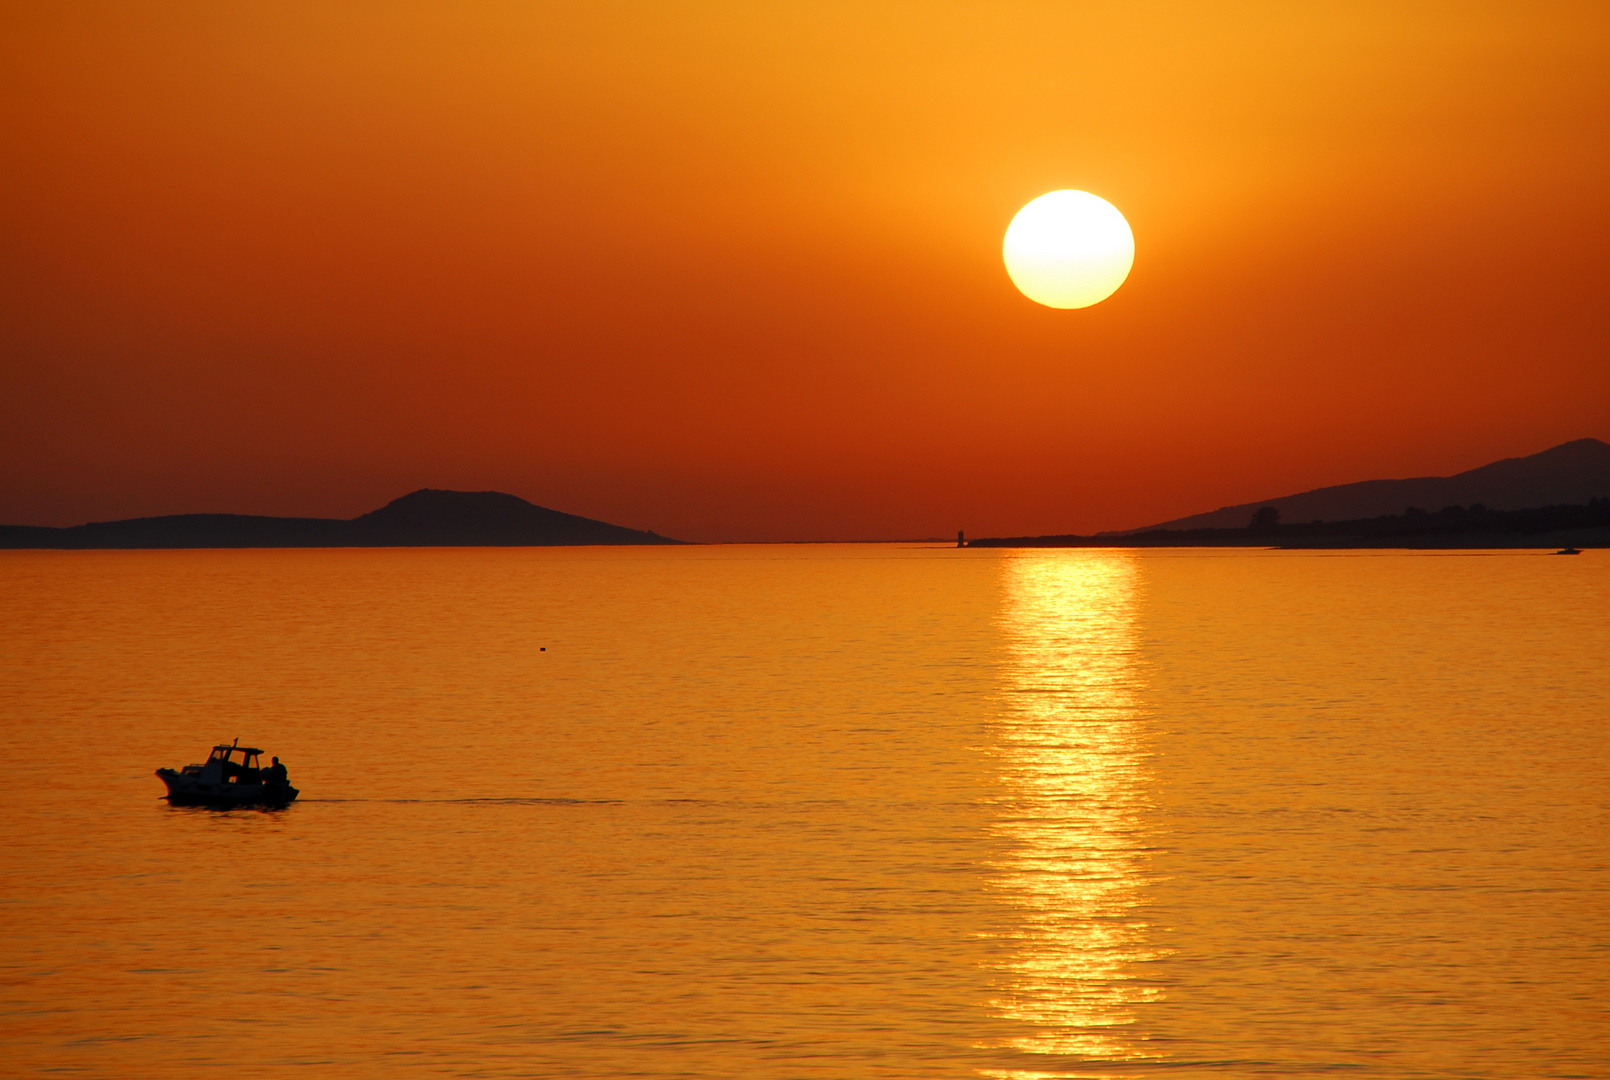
(735, 273)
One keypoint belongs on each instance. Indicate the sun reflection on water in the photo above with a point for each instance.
(1075, 813)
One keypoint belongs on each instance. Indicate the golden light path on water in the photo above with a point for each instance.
(1073, 756)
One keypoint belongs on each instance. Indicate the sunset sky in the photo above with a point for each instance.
(733, 270)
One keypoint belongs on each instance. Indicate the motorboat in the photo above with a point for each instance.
(232, 776)
(1569, 551)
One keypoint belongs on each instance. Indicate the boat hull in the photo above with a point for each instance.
(190, 791)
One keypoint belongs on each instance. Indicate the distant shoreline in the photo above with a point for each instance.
(1450, 528)
(431, 518)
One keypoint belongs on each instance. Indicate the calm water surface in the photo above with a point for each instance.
(827, 812)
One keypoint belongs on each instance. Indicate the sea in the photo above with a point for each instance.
(815, 811)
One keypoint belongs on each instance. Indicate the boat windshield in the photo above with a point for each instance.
(224, 752)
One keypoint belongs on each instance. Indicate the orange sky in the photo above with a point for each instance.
(732, 270)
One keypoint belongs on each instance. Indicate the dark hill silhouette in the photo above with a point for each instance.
(1572, 473)
(1452, 527)
(425, 518)
(463, 518)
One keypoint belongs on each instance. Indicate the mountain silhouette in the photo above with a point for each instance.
(1572, 473)
(471, 518)
(424, 518)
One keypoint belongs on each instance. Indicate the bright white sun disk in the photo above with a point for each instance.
(1068, 249)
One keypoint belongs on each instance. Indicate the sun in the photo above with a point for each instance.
(1068, 249)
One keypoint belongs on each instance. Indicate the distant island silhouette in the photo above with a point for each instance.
(424, 518)
(1557, 498)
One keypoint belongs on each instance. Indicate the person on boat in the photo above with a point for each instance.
(278, 775)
